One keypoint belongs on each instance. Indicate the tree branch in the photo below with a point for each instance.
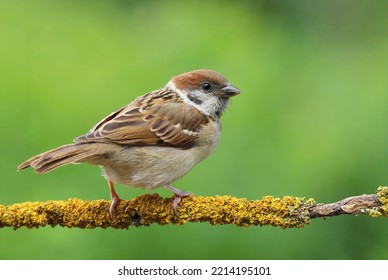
(288, 212)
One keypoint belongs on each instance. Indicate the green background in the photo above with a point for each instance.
(311, 120)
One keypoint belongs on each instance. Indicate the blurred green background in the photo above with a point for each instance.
(311, 120)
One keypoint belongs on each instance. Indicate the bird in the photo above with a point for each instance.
(155, 139)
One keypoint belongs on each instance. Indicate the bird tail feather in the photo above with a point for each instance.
(55, 158)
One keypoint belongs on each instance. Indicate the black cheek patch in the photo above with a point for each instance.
(194, 99)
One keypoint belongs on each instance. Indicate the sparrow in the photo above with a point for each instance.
(155, 139)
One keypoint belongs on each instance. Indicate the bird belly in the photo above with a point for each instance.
(151, 167)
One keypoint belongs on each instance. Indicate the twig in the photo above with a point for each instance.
(351, 205)
(144, 210)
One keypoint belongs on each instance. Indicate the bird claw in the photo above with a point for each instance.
(177, 200)
(113, 206)
(178, 197)
(115, 199)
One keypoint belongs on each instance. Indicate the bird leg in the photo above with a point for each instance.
(115, 199)
(178, 196)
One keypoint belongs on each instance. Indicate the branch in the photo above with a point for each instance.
(147, 209)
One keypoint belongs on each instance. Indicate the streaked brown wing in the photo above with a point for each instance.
(158, 117)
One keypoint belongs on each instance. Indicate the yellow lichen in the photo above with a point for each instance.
(151, 208)
(382, 195)
(374, 213)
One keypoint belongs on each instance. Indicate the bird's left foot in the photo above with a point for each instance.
(178, 197)
(115, 199)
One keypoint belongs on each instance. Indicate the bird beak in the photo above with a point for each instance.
(229, 91)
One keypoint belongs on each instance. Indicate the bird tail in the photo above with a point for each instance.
(55, 158)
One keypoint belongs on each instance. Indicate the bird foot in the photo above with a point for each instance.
(115, 199)
(113, 206)
(178, 197)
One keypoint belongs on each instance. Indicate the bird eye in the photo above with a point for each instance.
(206, 86)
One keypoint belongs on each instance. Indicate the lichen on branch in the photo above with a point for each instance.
(286, 212)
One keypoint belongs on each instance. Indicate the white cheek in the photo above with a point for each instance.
(209, 104)
(206, 101)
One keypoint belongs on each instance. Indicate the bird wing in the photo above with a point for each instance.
(159, 117)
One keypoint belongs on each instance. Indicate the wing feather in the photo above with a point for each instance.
(157, 117)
